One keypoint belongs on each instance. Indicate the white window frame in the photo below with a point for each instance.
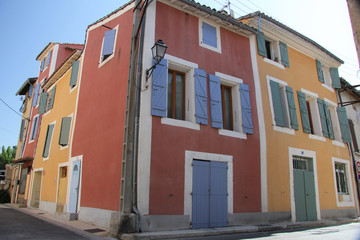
(218, 39)
(186, 67)
(286, 114)
(234, 83)
(102, 62)
(347, 199)
(327, 78)
(32, 128)
(275, 52)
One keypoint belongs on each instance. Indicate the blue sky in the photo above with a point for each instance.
(28, 26)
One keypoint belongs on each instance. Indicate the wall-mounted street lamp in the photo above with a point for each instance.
(158, 53)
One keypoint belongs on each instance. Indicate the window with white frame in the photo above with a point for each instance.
(282, 104)
(108, 45)
(34, 127)
(274, 50)
(341, 178)
(209, 36)
(329, 76)
(342, 182)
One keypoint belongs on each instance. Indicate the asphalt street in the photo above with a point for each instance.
(15, 225)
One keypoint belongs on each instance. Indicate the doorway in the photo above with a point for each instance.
(35, 197)
(61, 201)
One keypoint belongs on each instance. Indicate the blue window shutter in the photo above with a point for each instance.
(344, 124)
(320, 71)
(22, 129)
(42, 103)
(48, 140)
(334, 73)
(158, 92)
(328, 120)
(215, 101)
(35, 128)
(292, 108)
(36, 94)
(48, 58)
(65, 131)
(74, 73)
(42, 65)
(323, 118)
(261, 44)
(31, 88)
(209, 34)
(108, 45)
(51, 100)
(284, 54)
(304, 112)
(277, 104)
(201, 96)
(246, 109)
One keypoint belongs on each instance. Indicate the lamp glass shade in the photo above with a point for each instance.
(158, 50)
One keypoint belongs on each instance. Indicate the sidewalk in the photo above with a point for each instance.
(84, 229)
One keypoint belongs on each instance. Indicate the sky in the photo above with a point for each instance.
(26, 27)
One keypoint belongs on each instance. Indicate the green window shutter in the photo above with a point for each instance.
(320, 71)
(65, 131)
(74, 73)
(323, 118)
(261, 44)
(304, 112)
(277, 104)
(48, 140)
(292, 108)
(344, 124)
(284, 54)
(51, 99)
(42, 103)
(328, 120)
(353, 136)
(335, 79)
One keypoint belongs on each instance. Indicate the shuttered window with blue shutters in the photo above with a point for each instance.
(246, 109)
(74, 73)
(201, 96)
(215, 101)
(108, 44)
(319, 71)
(209, 35)
(34, 127)
(304, 113)
(48, 58)
(334, 74)
(158, 93)
(344, 124)
(42, 64)
(36, 95)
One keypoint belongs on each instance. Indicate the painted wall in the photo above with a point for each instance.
(168, 143)
(301, 74)
(99, 129)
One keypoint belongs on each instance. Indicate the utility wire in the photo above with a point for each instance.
(13, 109)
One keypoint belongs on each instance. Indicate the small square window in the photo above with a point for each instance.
(209, 36)
(108, 45)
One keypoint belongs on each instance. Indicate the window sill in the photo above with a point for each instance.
(64, 147)
(180, 123)
(316, 137)
(215, 49)
(233, 134)
(284, 130)
(106, 60)
(338, 143)
(328, 87)
(274, 63)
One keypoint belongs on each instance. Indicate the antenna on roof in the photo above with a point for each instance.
(228, 7)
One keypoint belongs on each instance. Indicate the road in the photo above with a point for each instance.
(15, 225)
(349, 231)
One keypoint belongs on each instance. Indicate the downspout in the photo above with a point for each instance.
(137, 116)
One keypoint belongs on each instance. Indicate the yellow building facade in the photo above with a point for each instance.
(307, 171)
(51, 167)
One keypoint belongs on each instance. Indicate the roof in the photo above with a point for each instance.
(22, 160)
(25, 87)
(348, 86)
(262, 15)
(63, 68)
(51, 44)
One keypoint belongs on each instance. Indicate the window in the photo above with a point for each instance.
(65, 131)
(74, 73)
(22, 127)
(271, 49)
(108, 46)
(187, 104)
(353, 136)
(282, 104)
(47, 101)
(341, 180)
(329, 76)
(42, 64)
(36, 95)
(48, 138)
(176, 95)
(34, 128)
(48, 58)
(209, 36)
(230, 105)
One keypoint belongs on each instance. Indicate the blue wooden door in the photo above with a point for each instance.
(74, 187)
(209, 197)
